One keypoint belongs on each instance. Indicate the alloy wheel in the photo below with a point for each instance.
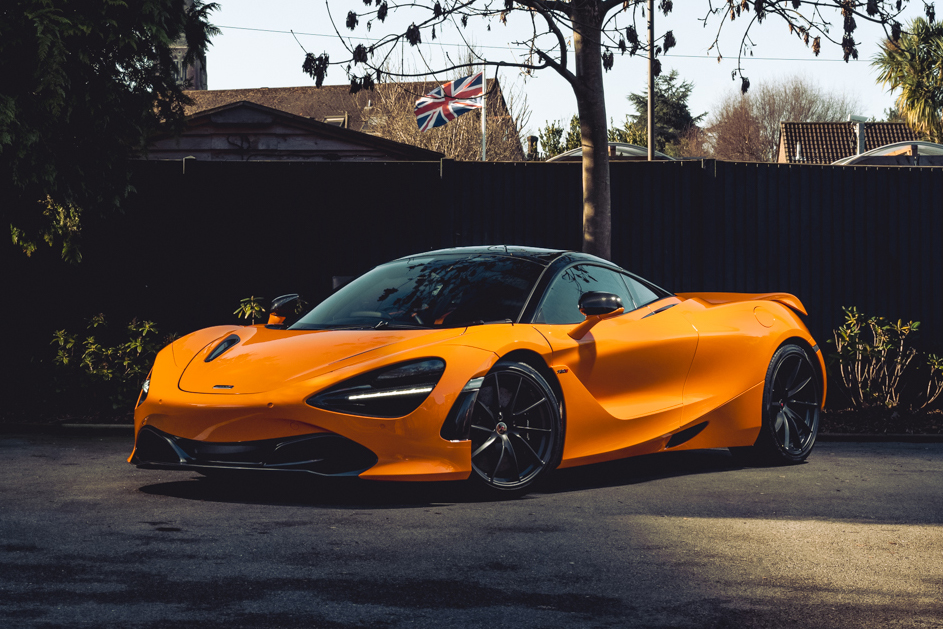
(515, 427)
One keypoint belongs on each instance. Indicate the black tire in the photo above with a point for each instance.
(516, 429)
(792, 406)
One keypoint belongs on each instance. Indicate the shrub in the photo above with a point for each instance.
(250, 308)
(109, 367)
(875, 359)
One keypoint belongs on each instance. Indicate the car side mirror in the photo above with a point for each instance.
(596, 307)
(281, 308)
(598, 304)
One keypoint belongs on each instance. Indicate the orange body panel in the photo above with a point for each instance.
(724, 298)
(408, 447)
(270, 359)
(628, 385)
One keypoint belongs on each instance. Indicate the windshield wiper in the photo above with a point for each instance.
(396, 325)
(480, 322)
(334, 328)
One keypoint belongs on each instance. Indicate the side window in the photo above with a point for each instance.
(560, 304)
(642, 293)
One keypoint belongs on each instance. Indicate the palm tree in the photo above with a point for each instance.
(914, 64)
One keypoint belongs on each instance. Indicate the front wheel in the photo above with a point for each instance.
(516, 428)
(792, 406)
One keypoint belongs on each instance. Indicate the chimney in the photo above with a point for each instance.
(859, 122)
(799, 151)
(531, 148)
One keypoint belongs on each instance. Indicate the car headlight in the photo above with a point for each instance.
(393, 391)
(144, 389)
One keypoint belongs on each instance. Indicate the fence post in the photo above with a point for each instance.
(447, 217)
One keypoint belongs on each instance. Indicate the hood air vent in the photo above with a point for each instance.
(226, 343)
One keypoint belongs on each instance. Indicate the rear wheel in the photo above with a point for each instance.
(516, 428)
(792, 403)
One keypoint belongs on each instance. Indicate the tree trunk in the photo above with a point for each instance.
(591, 106)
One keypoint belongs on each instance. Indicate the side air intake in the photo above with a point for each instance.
(685, 435)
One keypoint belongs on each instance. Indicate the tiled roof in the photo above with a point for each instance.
(248, 131)
(883, 133)
(314, 102)
(825, 142)
(308, 102)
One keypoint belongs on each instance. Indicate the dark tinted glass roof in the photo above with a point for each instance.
(534, 254)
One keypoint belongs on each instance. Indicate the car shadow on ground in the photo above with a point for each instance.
(306, 490)
(640, 469)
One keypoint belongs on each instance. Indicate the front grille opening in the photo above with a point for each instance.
(324, 454)
(152, 446)
(244, 452)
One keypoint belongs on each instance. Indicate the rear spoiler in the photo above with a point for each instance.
(725, 298)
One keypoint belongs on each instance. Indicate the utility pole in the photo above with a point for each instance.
(651, 80)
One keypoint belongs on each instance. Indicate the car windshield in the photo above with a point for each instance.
(445, 291)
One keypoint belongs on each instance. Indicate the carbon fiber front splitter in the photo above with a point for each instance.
(322, 454)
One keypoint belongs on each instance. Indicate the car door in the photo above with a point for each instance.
(634, 365)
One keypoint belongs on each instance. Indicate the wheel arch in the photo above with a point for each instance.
(536, 361)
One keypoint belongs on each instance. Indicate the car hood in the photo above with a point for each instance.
(264, 359)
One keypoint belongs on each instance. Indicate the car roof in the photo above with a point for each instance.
(622, 149)
(541, 256)
(924, 148)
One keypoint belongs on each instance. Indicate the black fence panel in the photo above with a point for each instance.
(188, 246)
(533, 204)
(834, 236)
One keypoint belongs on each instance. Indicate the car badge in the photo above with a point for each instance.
(223, 386)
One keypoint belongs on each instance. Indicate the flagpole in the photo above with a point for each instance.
(484, 107)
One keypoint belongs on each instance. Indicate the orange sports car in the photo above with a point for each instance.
(497, 364)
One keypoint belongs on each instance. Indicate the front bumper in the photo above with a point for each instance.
(324, 454)
(408, 448)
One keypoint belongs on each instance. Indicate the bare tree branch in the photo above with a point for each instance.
(578, 43)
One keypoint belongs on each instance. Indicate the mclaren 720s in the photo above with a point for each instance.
(495, 364)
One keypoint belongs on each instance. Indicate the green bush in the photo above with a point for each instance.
(875, 359)
(250, 309)
(106, 369)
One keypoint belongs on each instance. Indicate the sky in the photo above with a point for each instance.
(256, 48)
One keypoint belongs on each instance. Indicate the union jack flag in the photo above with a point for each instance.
(449, 101)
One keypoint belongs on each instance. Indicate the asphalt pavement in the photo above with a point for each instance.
(852, 538)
